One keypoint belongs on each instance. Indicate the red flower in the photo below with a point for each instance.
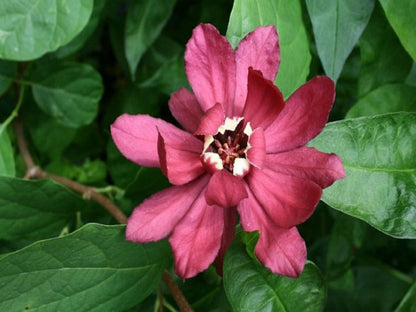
(243, 150)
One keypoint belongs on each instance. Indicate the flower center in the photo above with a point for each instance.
(227, 149)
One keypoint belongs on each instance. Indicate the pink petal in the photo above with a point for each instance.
(283, 251)
(225, 190)
(287, 200)
(256, 154)
(211, 121)
(230, 219)
(186, 109)
(136, 137)
(197, 238)
(210, 67)
(156, 217)
(308, 163)
(178, 164)
(259, 50)
(264, 100)
(303, 116)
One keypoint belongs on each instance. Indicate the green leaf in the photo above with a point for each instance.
(383, 59)
(145, 20)
(408, 303)
(35, 209)
(69, 92)
(93, 269)
(8, 71)
(7, 166)
(287, 17)
(379, 156)
(251, 287)
(337, 26)
(401, 18)
(386, 99)
(29, 29)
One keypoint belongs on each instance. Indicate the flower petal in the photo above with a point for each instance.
(156, 217)
(211, 121)
(230, 219)
(287, 200)
(259, 50)
(303, 117)
(197, 238)
(283, 251)
(308, 163)
(186, 109)
(178, 163)
(136, 137)
(264, 100)
(225, 190)
(256, 154)
(210, 67)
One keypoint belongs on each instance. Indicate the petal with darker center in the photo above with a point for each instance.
(259, 50)
(156, 217)
(186, 109)
(303, 117)
(197, 238)
(210, 67)
(225, 189)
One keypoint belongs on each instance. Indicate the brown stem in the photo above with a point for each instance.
(176, 292)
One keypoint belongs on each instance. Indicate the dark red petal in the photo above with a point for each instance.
(213, 118)
(186, 109)
(303, 117)
(264, 101)
(156, 217)
(256, 154)
(225, 190)
(259, 50)
(230, 219)
(210, 67)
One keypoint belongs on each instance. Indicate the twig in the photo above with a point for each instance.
(176, 292)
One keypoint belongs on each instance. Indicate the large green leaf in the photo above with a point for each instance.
(145, 20)
(401, 16)
(30, 28)
(69, 92)
(386, 99)
(383, 59)
(337, 25)
(251, 287)
(35, 209)
(7, 167)
(7, 73)
(93, 269)
(408, 304)
(246, 15)
(379, 156)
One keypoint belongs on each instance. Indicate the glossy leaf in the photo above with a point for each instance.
(386, 99)
(7, 166)
(246, 15)
(29, 29)
(401, 18)
(383, 59)
(7, 73)
(92, 269)
(145, 20)
(69, 92)
(251, 287)
(35, 209)
(379, 156)
(337, 26)
(408, 302)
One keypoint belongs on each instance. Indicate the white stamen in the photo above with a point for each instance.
(229, 124)
(241, 167)
(214, 160)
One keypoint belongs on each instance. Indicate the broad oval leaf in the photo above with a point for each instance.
(402, 19)
(251, 287)
(35, 209)
(145, 20)
(379, 156)
(29, 29)
(337, 26)
(92, 269)
(69, 92)
(386, 99)
(246, 15)
(7, 165)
